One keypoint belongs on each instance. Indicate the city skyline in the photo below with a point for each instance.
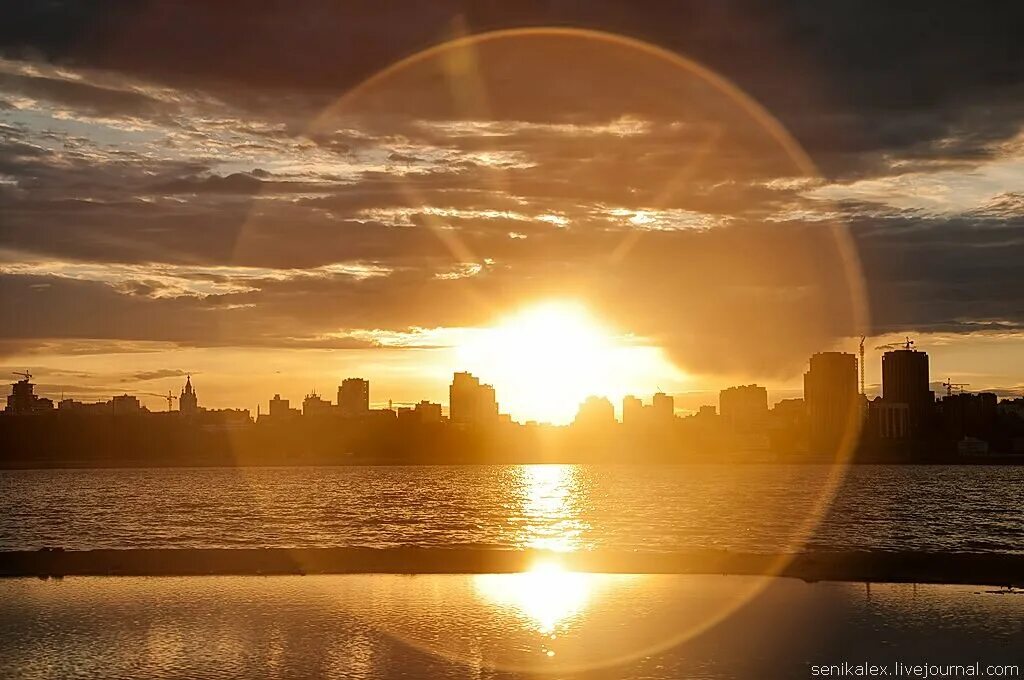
(909, 385)
(833, 420)
(152, 385)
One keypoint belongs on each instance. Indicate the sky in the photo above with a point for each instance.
(273, 200)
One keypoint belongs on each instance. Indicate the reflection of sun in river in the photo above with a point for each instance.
(547, 597)
(550, 497)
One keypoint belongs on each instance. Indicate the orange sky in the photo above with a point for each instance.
(560, 212)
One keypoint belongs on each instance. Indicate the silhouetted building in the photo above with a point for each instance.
(595, 412)
(23, 400)
(707, 411)
(354, 398)
(969, 415)
(787, 426)
(788, 414)
(1012, 407)
(663, 408)
(888, 420)
(428, 412)
(972, 446)
(905, 381)
(314, 405)
(744, 409)
(788, 411)
(832, 401)
(224, 418)
(125, 405)
(188, 402)
(280, 408)
(632, 410)
(96, 408)
(660, 412)
(471, 402)
(382, 414)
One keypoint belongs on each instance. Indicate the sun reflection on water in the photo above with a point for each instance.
(547, 598)
(550, 497)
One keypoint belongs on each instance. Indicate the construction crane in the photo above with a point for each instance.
(26, 375)
(906, 344)
(950, 386)
(862, 393)
(169, 397)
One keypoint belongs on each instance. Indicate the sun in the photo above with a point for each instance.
(545, 359)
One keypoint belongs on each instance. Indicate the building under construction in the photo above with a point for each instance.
(23, 400)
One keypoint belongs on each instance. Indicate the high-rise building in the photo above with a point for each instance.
(279, 408)
(314, 405)
(471, 402)
(22, 400)
(125, 405)
(354, 398)
(905, 381)
(744, 409)
(832, 401)
(188, 402)
(663, 408)
(632, 410)
(595, 412)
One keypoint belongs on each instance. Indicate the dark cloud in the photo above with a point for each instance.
(944, 274)
(84, 97)
(235, 183)
(848, 77)
(164, 135)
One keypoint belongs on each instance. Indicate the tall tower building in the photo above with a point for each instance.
(744, 408)
(354, 398)
(188, 402)
(905, 381)
(632, 410)
(469, 401)
(663, 408)
(831, 401)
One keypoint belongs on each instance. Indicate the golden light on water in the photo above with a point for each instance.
(547, 598)
(545, 359)
(550, 495)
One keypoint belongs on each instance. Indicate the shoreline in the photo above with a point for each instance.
(983, 569)
(998, 460)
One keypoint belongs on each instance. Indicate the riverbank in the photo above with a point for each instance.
(993, 569)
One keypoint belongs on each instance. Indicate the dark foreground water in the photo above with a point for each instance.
(562, 507)
(542, 624)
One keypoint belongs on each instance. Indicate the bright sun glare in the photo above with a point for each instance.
(547, 595)
(547, 358)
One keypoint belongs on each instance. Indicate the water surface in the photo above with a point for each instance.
(489, 626)
(562, 507)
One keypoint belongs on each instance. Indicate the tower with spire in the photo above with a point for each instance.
(188, 402)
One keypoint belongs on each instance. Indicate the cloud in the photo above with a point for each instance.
(157, 374)
(193, 179)
(979, 185)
